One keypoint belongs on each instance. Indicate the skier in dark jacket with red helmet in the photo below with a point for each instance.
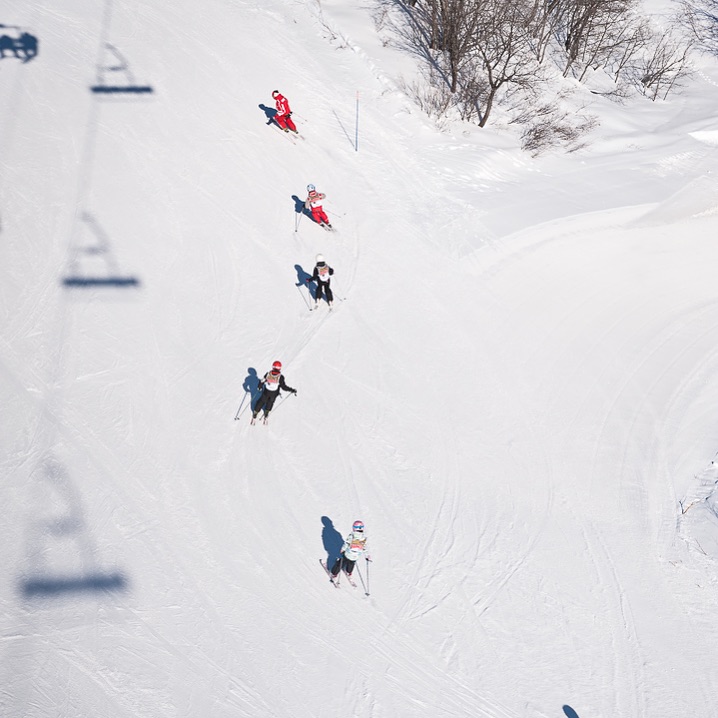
(271, 384)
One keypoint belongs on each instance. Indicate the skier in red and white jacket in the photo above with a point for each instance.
(284, 113)
(314, 203)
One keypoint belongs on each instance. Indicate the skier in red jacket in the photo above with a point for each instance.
(284, 113)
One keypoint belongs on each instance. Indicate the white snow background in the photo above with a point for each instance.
(517, 389)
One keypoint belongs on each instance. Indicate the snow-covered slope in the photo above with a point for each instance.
(515, 390)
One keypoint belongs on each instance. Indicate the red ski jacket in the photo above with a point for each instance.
(282, 105)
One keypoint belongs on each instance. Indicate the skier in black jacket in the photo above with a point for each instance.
(322, 276)
(271, 384)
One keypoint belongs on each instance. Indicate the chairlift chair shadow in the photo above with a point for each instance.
(121, 67)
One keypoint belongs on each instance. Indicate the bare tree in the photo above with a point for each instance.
(591, 29)
(453, 29)
(484, 52)
(666, 65)
(633, 42)
(505, 50)
(615, 42)
(701, 17)
(544, 18)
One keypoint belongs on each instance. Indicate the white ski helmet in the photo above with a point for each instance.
(320, 259)
(311, 188)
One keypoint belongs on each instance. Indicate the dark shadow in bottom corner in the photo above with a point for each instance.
(570, 712)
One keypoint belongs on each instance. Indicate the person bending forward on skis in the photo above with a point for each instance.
(271, 384)
(314, 203)
(322, 276)
(354, 547)
(284, 114)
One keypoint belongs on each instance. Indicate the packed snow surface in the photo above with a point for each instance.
(516, 389)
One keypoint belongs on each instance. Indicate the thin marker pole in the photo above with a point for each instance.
(356, 125)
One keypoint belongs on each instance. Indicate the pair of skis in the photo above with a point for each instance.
(335, 579)
(290, 135)
(265, 420)
(316, 306)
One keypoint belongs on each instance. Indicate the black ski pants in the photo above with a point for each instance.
(265, 401)
(345, 563)
(324, 287)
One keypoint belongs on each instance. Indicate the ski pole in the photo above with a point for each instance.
(282, 400)
(236, 416)
(304, 299)
(361, 578)
(334, 292)
(297, 220)
(333, 210)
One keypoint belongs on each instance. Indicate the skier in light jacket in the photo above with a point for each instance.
(354, 547)
(314, 203)
(284, 113)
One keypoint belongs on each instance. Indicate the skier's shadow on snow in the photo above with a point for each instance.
(302, 279)
(570, 712)
(300, 208)
(251, 385)
(269, 113)
(332, 540)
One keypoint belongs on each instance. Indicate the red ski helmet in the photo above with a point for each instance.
(277, 366)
